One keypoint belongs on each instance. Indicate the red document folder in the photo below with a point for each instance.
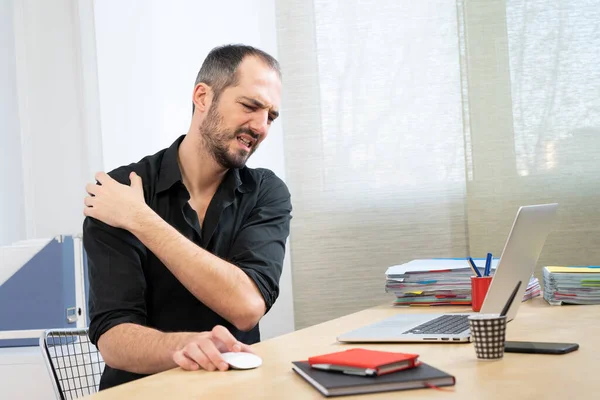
(364, 362)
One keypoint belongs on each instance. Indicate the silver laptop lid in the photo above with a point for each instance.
(519, 257)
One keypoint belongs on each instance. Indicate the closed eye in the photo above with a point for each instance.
(254, 108)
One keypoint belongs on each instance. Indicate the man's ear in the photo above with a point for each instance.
(202, 96)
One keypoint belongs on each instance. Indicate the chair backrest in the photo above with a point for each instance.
(74, 363)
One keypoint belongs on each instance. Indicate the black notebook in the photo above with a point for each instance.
(339, 384)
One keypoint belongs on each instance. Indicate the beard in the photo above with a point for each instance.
(216, 140)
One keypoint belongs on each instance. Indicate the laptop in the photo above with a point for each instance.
(519, 257)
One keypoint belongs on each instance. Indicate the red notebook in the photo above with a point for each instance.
(364, 362)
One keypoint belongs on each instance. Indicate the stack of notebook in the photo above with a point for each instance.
(439, 282)
(358, 371)
(533, 289)
(572, 285)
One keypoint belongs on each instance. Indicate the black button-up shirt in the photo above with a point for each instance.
(246, 223)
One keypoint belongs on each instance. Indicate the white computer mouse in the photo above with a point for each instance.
(242, 360)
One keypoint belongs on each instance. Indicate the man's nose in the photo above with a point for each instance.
(260, 123)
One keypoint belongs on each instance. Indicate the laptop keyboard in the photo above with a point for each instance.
(444, 325)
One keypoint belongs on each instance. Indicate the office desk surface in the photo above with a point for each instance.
(516, 376)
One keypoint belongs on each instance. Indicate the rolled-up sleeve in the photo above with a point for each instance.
(117, 285)
(259, 246)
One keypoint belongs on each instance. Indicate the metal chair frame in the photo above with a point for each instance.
(74, 363)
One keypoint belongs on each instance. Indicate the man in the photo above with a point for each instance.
(186, 246)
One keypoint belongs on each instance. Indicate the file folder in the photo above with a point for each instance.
(46, 291)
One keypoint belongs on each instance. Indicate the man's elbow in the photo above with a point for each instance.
(251, 314)
(110, 349)
(104, 348)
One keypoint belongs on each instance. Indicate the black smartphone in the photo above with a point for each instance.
(540, 347)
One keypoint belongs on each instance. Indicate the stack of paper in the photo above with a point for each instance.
(572, 285)
(432, 282)
(533, 289)
(439, 282)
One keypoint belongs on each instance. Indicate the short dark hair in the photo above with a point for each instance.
(219, 69)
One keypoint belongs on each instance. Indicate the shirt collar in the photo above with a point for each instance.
(170, 173)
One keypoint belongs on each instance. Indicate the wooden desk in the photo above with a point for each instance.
(517, 376)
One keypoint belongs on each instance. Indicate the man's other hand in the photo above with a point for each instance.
(204, 350)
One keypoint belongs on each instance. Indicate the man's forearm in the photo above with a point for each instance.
(223, 287)
(139, 349)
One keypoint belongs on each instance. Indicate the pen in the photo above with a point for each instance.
(353, 371)
(488, 265)
(474, 267)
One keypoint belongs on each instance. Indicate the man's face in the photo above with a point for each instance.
(239, 121)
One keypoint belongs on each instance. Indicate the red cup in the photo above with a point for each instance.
(479, 289)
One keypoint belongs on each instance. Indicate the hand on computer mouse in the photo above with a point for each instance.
(205, 349)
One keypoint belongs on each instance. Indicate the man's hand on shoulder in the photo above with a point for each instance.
(113, 203)
(203, 350)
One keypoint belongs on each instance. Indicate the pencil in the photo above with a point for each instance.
(474, 267)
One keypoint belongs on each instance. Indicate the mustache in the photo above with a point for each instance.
(247, 132)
